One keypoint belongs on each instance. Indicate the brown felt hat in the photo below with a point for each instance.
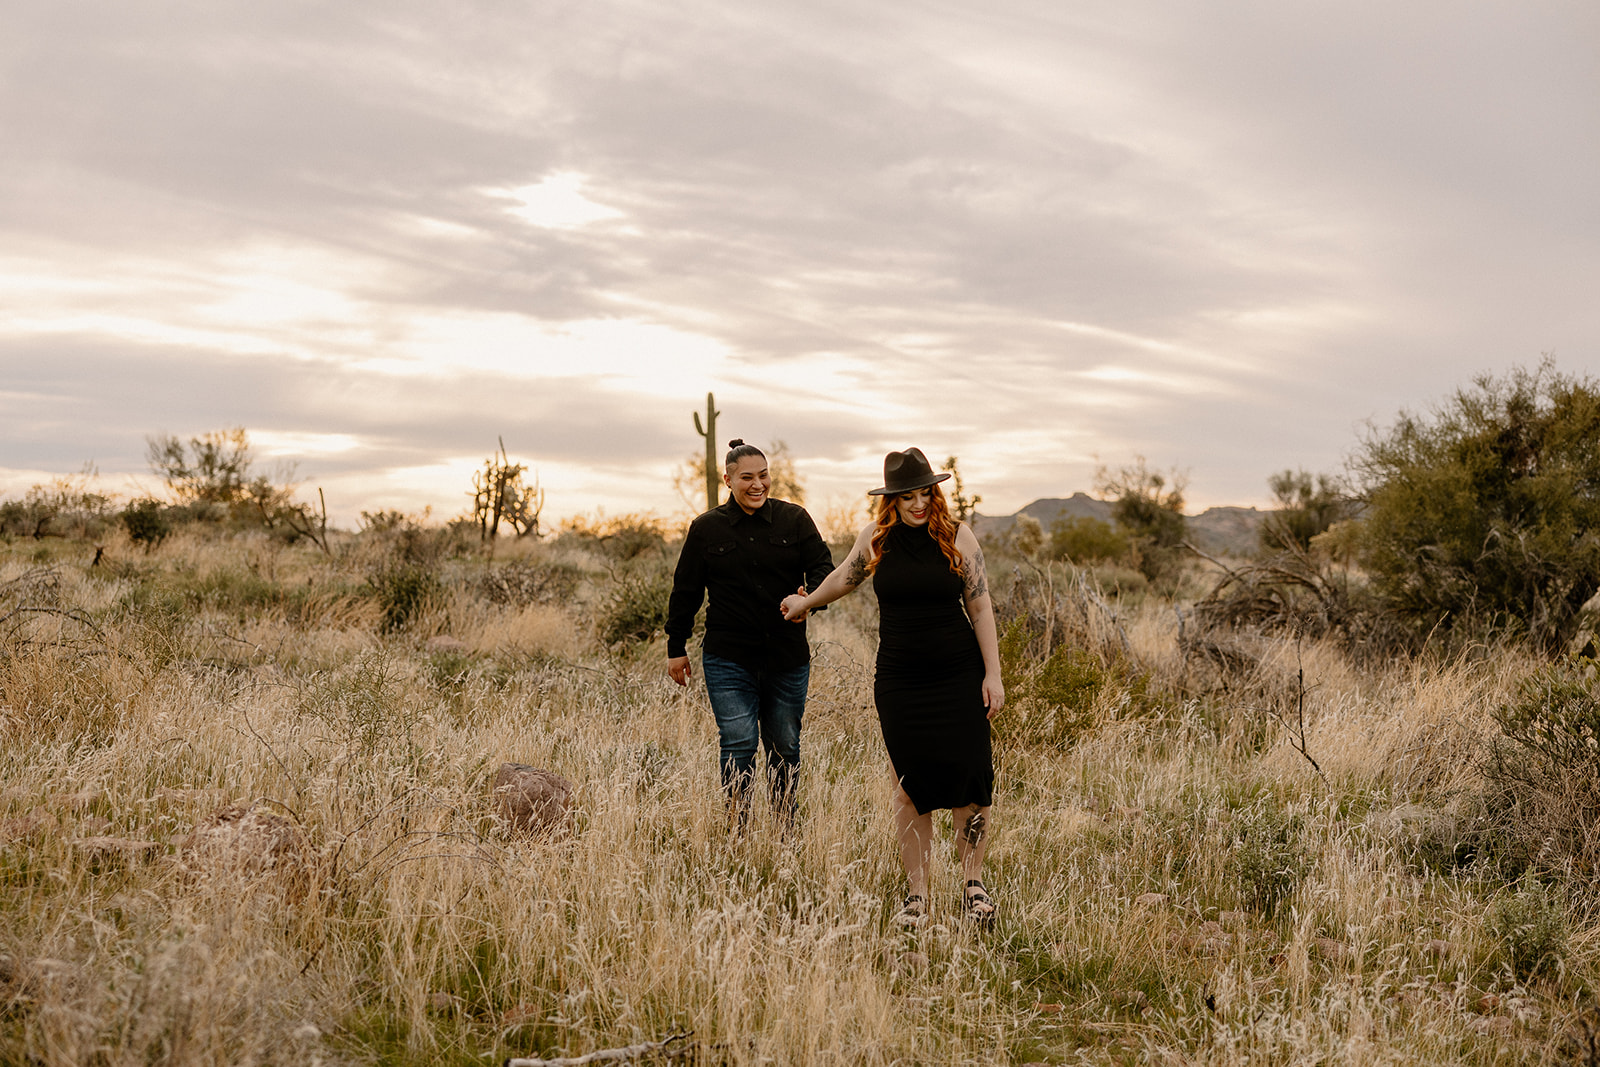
(905, 471)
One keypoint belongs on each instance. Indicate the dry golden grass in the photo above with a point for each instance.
(402, 925)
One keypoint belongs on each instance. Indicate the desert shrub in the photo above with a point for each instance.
(1307, 507)
(520, 584)
(1484, 514)
(1148, 508)
(64, 507)
(1269, 855)
(405, 591)
(398, 539)
(365, 705)
(1295, 592)
(1085, 539)
(1026, 538)
(1464, 840)
(623, 537)
(633, 603)
(1529, 927)
(1055, 605)
(1053, 701)
(212, 477)
(1543, 771)
(449, 670)
(154, 617)
(146, 522)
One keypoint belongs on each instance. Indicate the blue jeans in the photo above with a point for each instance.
(764, 705)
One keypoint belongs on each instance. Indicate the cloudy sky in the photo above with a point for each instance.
(1040, 235)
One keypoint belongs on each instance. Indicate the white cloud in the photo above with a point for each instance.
(556, 202)
(1025, 233)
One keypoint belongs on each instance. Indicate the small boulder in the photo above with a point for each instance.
(244, 840)
(531, 800)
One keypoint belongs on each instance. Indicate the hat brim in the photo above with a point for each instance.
(920, 483)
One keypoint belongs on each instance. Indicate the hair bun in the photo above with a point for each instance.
(737, 442)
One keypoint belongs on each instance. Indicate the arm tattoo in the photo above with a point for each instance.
(977, 581)
(858, 570)
(972, 833)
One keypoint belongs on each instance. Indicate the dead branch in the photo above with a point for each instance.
(609, 1055)
(1297, 732)
(1094, 596)
(77, 615)
(310, 524)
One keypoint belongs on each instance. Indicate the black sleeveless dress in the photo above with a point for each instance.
(929, 684)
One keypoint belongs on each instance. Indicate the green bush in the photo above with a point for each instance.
(1085, 539)
(365, 704)
(1148, 508)
(1307, 507)
(1543, 771)
(1484, 515)
(1269, 856)
(65, 507)
(633, 606)
(520, 584)
(406, 591)
(146, 522)
(1052, 702)
(1529, 927)
(623, 538)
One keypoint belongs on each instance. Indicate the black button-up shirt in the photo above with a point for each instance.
(747, 563)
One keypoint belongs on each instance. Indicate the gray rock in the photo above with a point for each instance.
(531, 800)
(244, 840)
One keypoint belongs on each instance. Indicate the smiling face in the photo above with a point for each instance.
(748, 480)
(915, 506)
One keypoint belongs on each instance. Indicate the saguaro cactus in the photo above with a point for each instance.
(709, 432)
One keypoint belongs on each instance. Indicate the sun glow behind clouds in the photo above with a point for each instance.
(444, 487)
(619, 351)
(556, 203)
(297, 443)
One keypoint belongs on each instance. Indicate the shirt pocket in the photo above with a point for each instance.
(721, 557)
(783, 551)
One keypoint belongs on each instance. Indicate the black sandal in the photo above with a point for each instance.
(912, 913)
(980, 907)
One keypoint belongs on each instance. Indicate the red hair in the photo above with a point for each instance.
(940, 525)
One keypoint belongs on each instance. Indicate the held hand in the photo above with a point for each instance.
(680, 670)
(994, 694)
(793, 606)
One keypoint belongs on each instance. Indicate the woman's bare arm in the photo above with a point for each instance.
(844, 579)
(980, 609)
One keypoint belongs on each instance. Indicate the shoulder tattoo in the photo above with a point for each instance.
(977, 582)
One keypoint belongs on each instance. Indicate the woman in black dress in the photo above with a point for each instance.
(938, 675)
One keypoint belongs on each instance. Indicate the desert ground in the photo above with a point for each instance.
(247, 819)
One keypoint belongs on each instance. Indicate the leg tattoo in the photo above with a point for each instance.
(972, 833)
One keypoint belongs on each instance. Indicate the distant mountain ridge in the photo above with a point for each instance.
(1221, 531)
